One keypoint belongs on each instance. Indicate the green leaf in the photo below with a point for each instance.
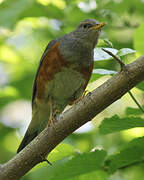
(80, 164)
(125, 51)
(141, 86)
(98, 175)
(94, 77)
(98, 73)
(61, 151)
(71, 167)
(100, 55)
(105, 43)
(115, 124)
(131, 153)
(139, 39)
(133, 111)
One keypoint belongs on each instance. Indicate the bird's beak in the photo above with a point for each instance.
(98, 26)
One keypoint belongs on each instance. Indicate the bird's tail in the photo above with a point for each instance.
(35, 127)
(27, 139)
(38, 123)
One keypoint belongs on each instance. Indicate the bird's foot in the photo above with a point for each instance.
(56, 112)
(51, 121)
(51, 117)
(79, 99)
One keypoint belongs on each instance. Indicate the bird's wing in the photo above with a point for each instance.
(51, 43)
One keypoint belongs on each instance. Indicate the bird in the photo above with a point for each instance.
(62, 75)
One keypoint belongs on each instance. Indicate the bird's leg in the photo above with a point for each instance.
(51, 121)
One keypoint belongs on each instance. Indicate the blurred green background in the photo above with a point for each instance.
(26, 27)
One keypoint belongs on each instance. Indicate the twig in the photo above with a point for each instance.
(122, 64)
(115, 57)
(44, 159)
(136, 101)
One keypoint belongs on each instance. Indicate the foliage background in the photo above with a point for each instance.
(97, 150)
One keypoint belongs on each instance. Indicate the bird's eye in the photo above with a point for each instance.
(87, 26)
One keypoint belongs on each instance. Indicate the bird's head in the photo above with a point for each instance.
(88, 31)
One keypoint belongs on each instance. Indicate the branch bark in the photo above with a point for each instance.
(72, 119)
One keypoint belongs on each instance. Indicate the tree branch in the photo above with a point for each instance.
(72, 119)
